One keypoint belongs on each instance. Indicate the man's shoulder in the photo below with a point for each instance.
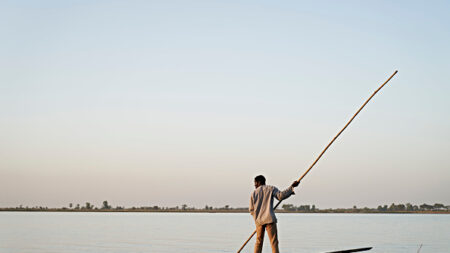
(261, 188)
(267, 188)
(264, 188)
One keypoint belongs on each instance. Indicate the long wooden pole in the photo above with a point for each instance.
(329, 144)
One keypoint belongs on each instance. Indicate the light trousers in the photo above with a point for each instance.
(273, 237)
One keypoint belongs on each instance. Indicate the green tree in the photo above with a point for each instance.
(438, 206)
(288, 207)
(305, 208)
(106, 205)
(426, 207)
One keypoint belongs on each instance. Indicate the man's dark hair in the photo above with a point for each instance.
(261, 179)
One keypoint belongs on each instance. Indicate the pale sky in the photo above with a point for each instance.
(184, 102)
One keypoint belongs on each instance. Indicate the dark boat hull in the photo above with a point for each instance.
(351, 250)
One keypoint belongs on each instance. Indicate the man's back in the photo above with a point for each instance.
(261, 203)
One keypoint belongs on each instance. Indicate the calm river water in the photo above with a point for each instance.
(23, 232)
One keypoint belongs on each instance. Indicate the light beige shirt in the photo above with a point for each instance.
(261, 203)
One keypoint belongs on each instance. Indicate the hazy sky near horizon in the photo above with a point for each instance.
(184, 102)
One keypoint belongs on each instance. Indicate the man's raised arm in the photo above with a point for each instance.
(280, 195)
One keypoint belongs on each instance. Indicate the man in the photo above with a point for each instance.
(261, 208)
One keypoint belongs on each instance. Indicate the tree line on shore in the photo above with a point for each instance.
(408, 207)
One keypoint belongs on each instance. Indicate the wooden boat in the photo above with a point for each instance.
(351, 250)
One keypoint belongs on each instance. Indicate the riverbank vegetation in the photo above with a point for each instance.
(285, 208)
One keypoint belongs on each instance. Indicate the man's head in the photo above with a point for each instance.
(260, 180)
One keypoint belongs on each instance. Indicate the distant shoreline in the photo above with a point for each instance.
(213, 211)
(407, 208)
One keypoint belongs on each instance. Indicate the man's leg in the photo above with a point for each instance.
(273, 236)
(259, 238)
